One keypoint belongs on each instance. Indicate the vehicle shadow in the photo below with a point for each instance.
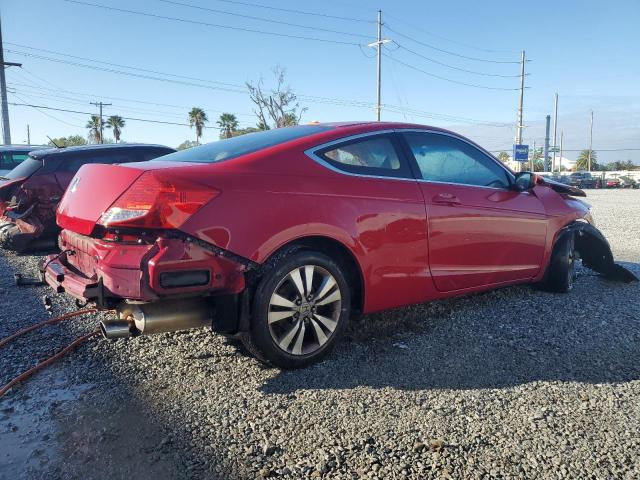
(498, 339)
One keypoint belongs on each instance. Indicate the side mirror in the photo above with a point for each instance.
(525, 181)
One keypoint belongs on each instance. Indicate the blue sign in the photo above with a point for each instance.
(521, 153)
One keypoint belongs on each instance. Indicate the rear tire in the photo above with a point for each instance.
(301, 307)
(560, 274)
(11, 238)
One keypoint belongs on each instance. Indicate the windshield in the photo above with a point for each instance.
(243, 144)
(27, 168)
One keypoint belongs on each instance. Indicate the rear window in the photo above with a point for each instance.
(242, 145)
(27, 168)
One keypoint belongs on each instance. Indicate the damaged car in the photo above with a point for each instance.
(280, 237)
(29, 194)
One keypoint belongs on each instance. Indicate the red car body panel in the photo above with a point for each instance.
(412, 240)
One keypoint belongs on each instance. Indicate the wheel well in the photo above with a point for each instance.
(339, 251)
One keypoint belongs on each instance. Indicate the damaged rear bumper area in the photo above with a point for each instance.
(595, 252)
(154, 286)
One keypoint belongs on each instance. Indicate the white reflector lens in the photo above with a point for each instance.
(115, 215)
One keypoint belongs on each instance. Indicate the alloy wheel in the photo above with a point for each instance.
(304, 310)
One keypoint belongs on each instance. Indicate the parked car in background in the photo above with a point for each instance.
(29, 194)
(584, 180)
(612, 182)
(13, 155)
(279, 237)
(628, 182)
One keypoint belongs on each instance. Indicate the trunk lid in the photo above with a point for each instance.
(91, 192)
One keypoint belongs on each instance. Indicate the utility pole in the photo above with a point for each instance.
(519, 126)
(590, 142)
(555, 133)
(28, 135)
(6, 131)
(100, 104)
(561, 149)
(378, 45)
(546, 145)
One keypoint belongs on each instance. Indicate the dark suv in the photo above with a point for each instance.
(584, 180)
(29, 194)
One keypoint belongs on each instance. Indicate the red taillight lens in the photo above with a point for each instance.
(157, 201)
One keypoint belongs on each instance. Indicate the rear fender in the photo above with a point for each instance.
(594, 250)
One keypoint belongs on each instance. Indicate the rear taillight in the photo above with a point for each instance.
(155, 200)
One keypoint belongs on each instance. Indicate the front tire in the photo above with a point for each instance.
(561, 271)
(301, 307)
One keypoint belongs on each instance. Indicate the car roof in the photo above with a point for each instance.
(379, 125)
(97, 147)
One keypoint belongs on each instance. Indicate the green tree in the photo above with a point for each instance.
(187, 144)
(116, 123)
(583, 160)
(94, 125)
(70, 141)
(621, 165)
(228, 124)
(503, 157)
(197, 118)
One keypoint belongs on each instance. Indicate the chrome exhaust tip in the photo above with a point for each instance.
(115, 329)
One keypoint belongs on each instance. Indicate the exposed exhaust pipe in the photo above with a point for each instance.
(158, 317)
(115, 328)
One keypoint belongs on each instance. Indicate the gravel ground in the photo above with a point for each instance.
(509, 384)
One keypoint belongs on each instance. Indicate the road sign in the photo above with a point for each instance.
(521, 153)
(554, 149)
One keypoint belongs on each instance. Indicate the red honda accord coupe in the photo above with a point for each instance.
(279, 237)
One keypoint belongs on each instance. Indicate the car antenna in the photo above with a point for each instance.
(51, 140)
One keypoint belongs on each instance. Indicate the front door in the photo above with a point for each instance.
(481, 232)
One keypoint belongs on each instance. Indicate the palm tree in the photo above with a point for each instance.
(94, 125)
(116, 122)
(583, 160)
(228, 124)
(197, 118)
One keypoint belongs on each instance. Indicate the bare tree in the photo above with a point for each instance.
(277, 107)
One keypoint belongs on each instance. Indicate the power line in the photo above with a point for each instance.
(486, 74)
(47, 114)
(121, 72)
(263, 19)
(148, 120)
(476, 59)
(119, 65)
(486, 87)
(415, 27)
(300, 12)
(238, 89)
(207, 24)
(75, 101)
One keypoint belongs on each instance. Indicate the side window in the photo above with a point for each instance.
(9, 161)
(442, 158)
(17, 159)
(375, 155)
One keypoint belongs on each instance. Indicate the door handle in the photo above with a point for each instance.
(446, 198)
